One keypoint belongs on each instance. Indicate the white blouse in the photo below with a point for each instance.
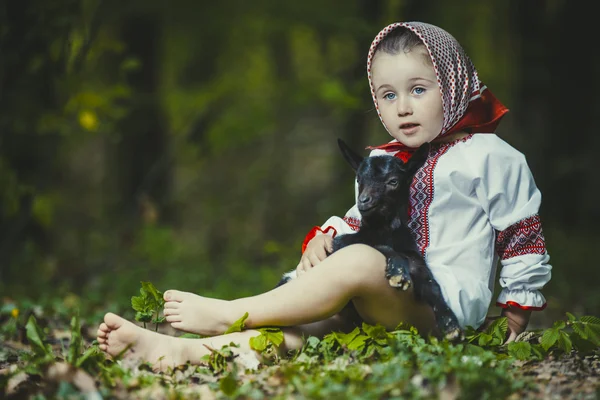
(475, 202)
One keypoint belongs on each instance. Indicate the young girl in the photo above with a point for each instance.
(474, 202)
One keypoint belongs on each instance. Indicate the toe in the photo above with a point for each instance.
(103, 327)
(174, 295)
(170, 311)
(172, 304)
(177, 325)
(103, 347)
(113, 321)
(173, 318)
(101, 333)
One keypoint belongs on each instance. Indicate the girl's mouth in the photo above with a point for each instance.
(409, 129)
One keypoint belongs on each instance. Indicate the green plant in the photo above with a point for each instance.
(148, 305)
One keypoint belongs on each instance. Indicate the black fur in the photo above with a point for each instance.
(383, 191)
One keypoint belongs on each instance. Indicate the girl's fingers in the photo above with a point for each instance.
(314, 259)
(321, 255)
(329, 243)
(511, 337)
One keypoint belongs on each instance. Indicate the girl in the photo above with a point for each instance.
(474, 202)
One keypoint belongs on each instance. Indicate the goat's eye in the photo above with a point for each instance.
(393, 182)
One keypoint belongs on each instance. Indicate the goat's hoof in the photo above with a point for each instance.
(399, 281)
(454, 335)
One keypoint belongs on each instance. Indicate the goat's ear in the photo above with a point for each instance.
(418, 159)
(351, 157)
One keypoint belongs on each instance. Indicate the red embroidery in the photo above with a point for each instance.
(421, 193)
(353, 222)
(523, 237)
(517, 305)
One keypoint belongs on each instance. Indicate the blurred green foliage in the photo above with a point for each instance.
(194, 143)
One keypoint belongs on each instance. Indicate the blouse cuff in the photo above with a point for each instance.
(523, 299)
(314, 231)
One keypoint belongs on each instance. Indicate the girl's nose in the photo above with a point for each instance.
(403, 106)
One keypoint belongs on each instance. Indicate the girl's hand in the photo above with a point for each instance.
(315, 252)
(518, 320)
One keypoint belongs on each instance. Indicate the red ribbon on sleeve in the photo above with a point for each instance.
(313, 232)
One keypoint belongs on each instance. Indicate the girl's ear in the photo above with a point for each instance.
(351, 157)
(417, 160)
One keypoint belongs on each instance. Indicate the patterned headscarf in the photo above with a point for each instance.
(466, 102)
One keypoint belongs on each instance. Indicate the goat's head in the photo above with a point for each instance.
(383, 181)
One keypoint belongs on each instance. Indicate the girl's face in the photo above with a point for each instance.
(408, 96)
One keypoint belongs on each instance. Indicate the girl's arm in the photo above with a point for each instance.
(511, 200)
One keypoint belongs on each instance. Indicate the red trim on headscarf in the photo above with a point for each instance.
(517, 305)
(482, 116)
(313, 232)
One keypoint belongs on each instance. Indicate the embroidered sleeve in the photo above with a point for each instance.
(350, 223)
(525, 269)
(512, 200)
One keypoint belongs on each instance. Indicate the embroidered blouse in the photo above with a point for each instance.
(474, 203)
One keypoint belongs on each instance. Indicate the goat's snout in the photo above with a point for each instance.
(365, 202)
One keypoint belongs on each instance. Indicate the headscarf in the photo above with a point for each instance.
(467, 104)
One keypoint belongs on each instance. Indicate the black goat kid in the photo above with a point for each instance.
(383, 198)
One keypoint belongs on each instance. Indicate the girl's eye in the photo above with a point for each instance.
(389, 96)
(419, 90)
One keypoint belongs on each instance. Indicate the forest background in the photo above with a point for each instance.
(193, 144)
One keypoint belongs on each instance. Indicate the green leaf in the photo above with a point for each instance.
(571, 317)
(485, 339)
(538, 351)
(564, 342)
(579, 328)
(92, 351)
(344, 339)
(190, 336)
(588, 329)
(138, 303)
(589, 319)
(549, 338)
(155, 295)
(519, 350)
(592, 332)
(358, 342)
(498, 329)
(238, 325)
(36, 337)
(144, 316)
(228, 384)
(582, 345)
(258, 343)
(267, 336)
(76, 341)
(559, 325)
(377, 333)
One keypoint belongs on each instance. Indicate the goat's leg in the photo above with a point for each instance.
(427, 289)
(397, 268)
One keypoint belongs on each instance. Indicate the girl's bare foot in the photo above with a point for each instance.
(196, 314)
(117, 335)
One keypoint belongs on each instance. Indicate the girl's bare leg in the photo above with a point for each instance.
(355, 273)
(117, 336)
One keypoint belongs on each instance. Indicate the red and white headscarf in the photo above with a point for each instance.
(466, 102)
